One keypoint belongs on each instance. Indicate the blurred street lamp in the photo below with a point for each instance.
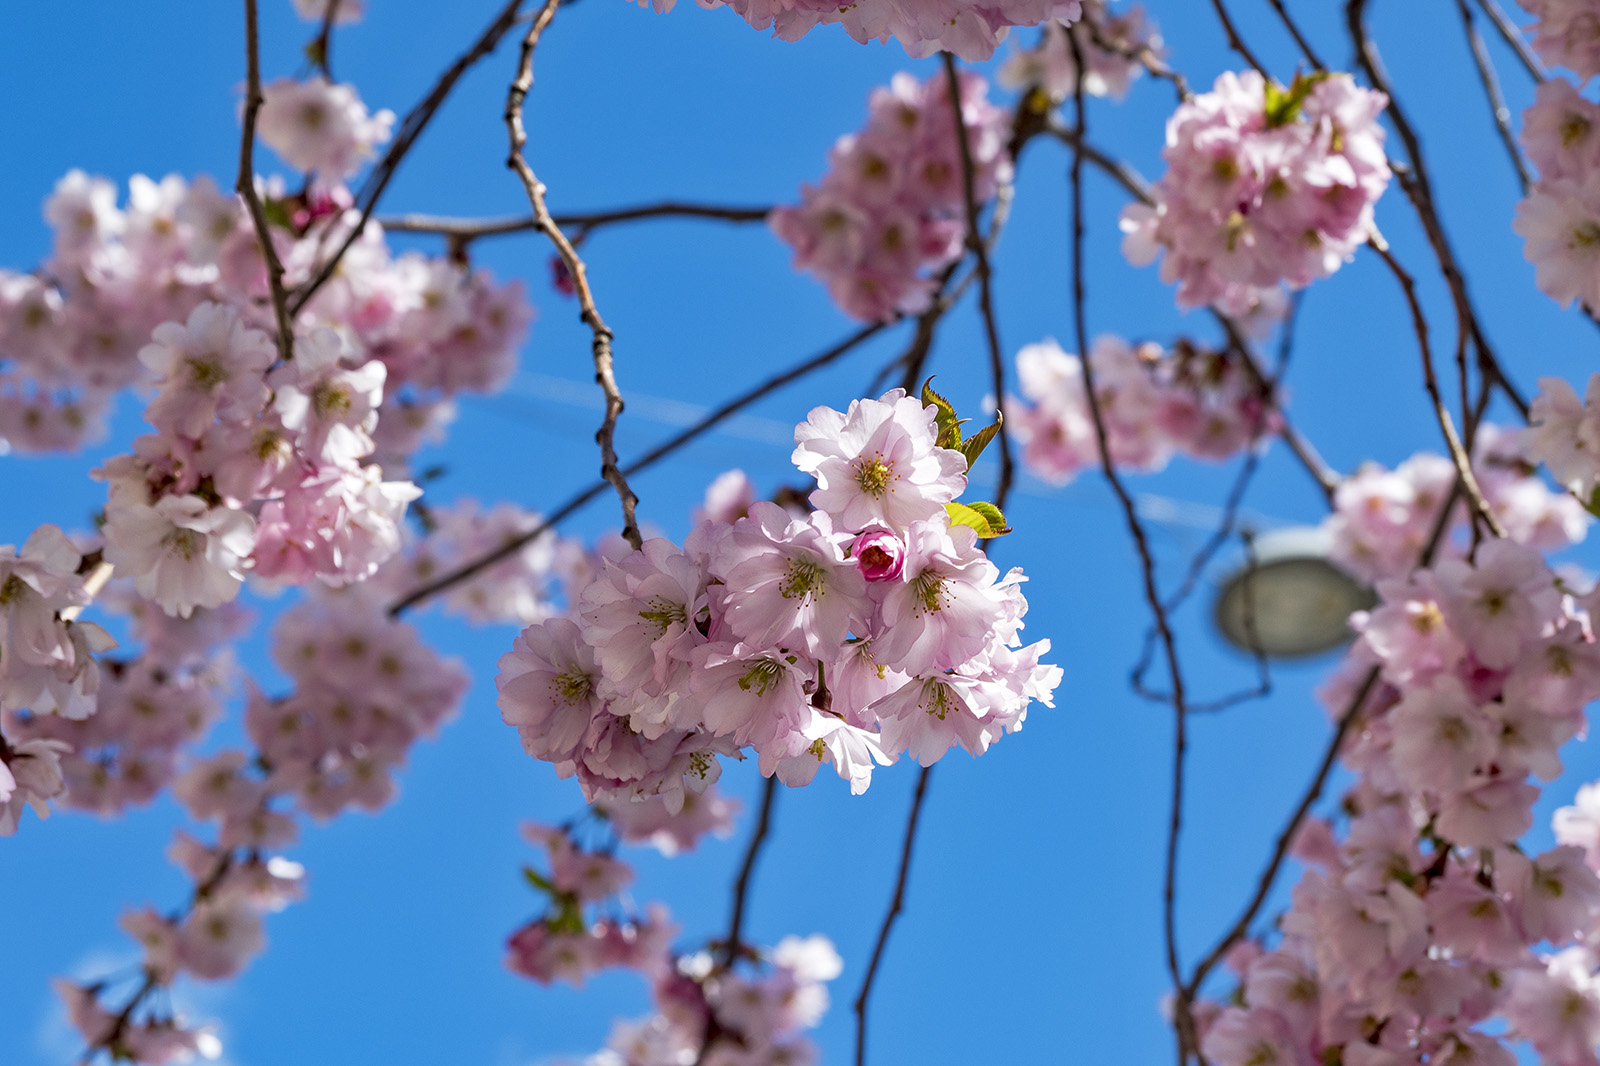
(1289, 600)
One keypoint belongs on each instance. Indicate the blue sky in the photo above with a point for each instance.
(1033, 926)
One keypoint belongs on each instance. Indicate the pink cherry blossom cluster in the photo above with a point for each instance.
(1264, 185)
(869, 627)
(321, 128)
(1567, 34)
(521, 589)
(717, 1016)
(969, 29)
(1113, 48)
(1412, 939)
(1565, 434)
(212, 939)
(566, 943)
(1383, 518)
(149, 709)
(255, 466)
(71, 333)
(1156, 403)
(1560, 218)
(892, 208)
(650, 820)
(47, 663)
(366, 689)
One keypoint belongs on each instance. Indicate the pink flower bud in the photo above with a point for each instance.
(880, 554)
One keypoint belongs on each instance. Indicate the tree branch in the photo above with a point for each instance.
(1491, 89)
(741, 886)
(473, 568)
(980, 252)
(896, 905)
(410, 129)
(1458, 454)
(1188, 1040)
(604, 371)
(246, 185)
(470, 229)
(1514, 39)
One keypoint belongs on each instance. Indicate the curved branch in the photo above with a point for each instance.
(741, 886)
(470, 229)
(474, 567)
(410, 129)
(246, 185)
(980, 252)
(1187, 1034)
(604, 370)
(896, 905)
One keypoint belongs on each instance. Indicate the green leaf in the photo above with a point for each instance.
(277, 212)
(570, 918)
(1283, 105)
(537, 880)
(983, 517)
(949, 426)
(975, 444)
(1592, 504)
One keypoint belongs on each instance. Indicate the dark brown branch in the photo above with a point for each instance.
(896, 905)
(1188, 1040)
(1285, 840)
(410, 129)
(470, 229)
(1491, 89)
(734, 942)
(1220, 536)
(473, 568)
(1418, 187)
(246, 185)
(1326, 477)
(321, 47)
(980, 253)
(604, 370)
(1319, 779)
(1299, 38)
(1458, 453)
(1235, 41)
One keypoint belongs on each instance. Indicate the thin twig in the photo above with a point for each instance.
(470, 229)
(741, 886)
(246, 185)
(410, 129)
(1124, 175)
(1458, 453)
(1299, 38)
(1188, 1041)
(980, 253)
(1418, 187)
(896, 905)
(1139, 188)
(1224, 531)
(1491, 89)
(1235, 41)
(321, 48)
(1514, 38)
(474, 567)
(1285, 840)
(1319, 779)
(604, 370)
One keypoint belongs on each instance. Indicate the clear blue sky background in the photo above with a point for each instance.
(1033, 927)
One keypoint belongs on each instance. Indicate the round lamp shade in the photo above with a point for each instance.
(1293, 601)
